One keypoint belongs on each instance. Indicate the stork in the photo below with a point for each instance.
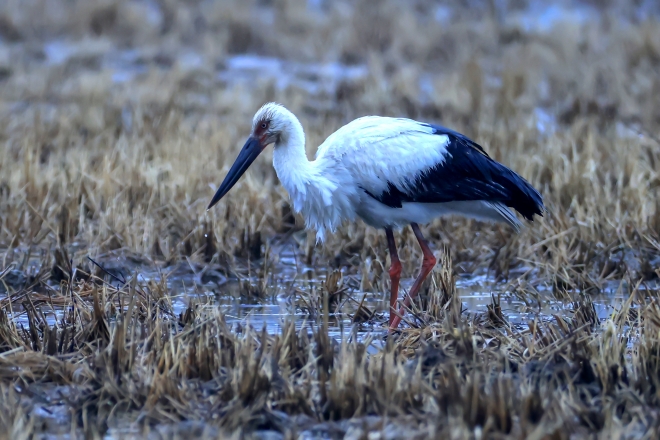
(389, 172)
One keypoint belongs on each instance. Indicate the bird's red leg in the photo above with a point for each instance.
(427, 266)
(395, 272)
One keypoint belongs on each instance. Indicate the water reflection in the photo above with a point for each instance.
(291, 290)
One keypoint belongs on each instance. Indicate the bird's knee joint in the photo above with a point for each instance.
(395, 269)
(429, 262)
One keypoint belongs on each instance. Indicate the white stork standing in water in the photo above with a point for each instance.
(390, 172)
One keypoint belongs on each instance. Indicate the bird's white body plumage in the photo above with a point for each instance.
(360, 157)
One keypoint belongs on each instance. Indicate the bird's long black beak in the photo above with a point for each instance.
(248, 154)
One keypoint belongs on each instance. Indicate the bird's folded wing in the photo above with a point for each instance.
(401, 160)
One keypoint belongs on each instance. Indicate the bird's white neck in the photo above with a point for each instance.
(289, 158)
(313, 186)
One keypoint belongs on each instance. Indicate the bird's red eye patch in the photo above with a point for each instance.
(261, 130)
(261, 127)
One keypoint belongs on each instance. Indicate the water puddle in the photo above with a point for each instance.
(293, 291)
(542, 17)
(282, 289)
(314, 78)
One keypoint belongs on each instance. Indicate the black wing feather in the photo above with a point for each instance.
(467, 174)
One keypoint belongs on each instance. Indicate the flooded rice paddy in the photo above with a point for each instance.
(269, 295)
(272, 295)
(291, 290)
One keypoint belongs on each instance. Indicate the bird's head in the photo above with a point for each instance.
(270, 125)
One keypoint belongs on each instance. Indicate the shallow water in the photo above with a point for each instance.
(291, 290)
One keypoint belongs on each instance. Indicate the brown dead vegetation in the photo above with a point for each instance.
(119, 360)
(116, 116)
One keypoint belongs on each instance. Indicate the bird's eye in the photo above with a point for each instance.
(264, 125)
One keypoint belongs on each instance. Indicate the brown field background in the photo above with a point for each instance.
(131, 164)
(119, 118)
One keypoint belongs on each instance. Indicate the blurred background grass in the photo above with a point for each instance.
(119, 118)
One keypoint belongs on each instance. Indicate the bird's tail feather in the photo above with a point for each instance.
(524, 198)
(507, 215)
